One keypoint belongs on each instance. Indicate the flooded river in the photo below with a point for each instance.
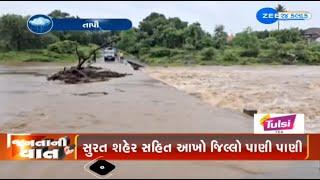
(135, 103)
(266, 88)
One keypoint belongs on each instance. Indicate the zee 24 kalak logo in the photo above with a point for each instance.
(279, 123)
(270, 15)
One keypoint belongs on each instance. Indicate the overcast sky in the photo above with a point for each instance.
(235, 16)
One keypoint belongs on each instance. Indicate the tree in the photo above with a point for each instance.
(208, 53)
(248, 42)
(157, 30)
(15, 35)
(287, 35)
(194, 36)
(152, 23)
(59, 14)
(173, 38)
(128, 40)
(82, 58)
(80, 37)
(246, 39)
(100, 38)
(13, 30)
(262, 34)
(177, 23)
(219, 37)
(280, 8)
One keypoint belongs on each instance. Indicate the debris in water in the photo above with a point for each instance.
(250, 112)
(90, 94)
(85, 75)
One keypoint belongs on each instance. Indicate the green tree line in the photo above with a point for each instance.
(17, 42)
(16, 36)
(162, 40)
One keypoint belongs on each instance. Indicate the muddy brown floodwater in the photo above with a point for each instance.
(136, 103)
(269, 89)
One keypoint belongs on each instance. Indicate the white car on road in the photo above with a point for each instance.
(110, 54)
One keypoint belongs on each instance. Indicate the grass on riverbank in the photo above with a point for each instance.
(40, 55)
(35, 56)
(160, 56)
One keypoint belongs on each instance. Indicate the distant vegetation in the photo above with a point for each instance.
(17, 43)
(159, 40)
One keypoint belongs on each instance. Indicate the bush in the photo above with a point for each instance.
(251, 52)
(4, 46)
(159, 52)
(51, 54)
(208, 53)
(287, 58)
(188, 47)
(35, 51)
(248, 60)
(63, 47)
(287, 35)
(266, 56)
(230, 56)
(286, 54)
(143, 51)
(38, 59)
(269, 43)
(313, 57)
(46, 40)
(246, 39)
(315, 46)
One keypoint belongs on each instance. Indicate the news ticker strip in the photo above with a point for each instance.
(160, 146)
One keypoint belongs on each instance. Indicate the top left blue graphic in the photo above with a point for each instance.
(40, 24)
